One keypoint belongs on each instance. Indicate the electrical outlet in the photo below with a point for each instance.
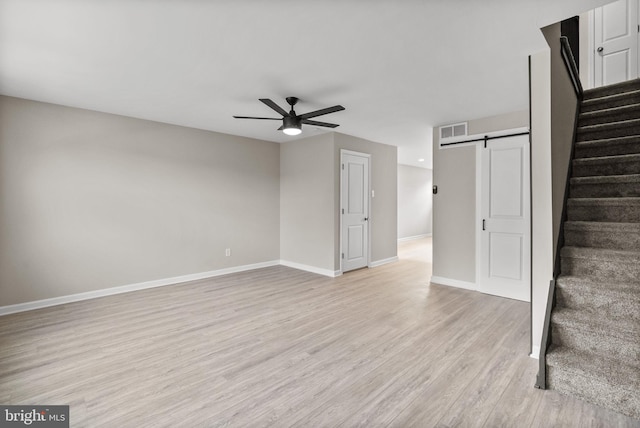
(227, 252)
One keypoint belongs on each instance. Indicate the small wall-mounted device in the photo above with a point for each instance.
(435, 189)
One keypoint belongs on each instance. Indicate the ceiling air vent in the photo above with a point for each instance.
(453, 131)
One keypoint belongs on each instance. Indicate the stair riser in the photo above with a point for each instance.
(616, 308)
(607, 116)
(623, 348)
(608, 131)
(603, 104)
(614, 240)
(589, 168)
(619, 213)
(604, 270)
(605, 190)
(605, 395)
(609, 148)
(618, 88)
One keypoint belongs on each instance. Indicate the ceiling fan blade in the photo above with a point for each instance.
(274, 106)
(316, 123)
(321, 112)
(261, 118)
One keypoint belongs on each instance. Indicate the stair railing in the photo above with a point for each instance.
(572, 70)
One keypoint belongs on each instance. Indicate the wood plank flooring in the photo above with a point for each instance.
(284, 348)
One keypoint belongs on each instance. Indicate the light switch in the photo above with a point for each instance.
(373, 193)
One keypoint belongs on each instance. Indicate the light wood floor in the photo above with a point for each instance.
(280, 347)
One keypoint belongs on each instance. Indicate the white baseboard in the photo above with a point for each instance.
(383, 262)
(38, 304)
(535, 352)
(44, 303)
(411, 238)
(312, 269)
(454, 283)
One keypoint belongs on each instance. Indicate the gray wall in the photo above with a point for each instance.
(563, 116)
(310, 199)
(454, 212)
(541, 195)
(553, 109)
(307, 202)
(91, 200)
(415, 206)
(454, 206)
(384, 206)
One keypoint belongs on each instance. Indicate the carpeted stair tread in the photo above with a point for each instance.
(611, 114)
(577, 282)
(617, 88)
(600, 254)
(622, 178)
(597, 380)
(608, 147)
(601, 263)
(602, 226)
(624, 185)
(616, 236)
(604, 209)
(617, 300)
(607, 165)
(622, 128)
(601, 325)
(610, 101)
(598, 335)
(624, 375)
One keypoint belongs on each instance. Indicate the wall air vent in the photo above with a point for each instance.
(455, 130)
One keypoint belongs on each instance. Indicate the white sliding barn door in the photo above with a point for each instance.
(354, 207)
(616, 42)
(505, 239)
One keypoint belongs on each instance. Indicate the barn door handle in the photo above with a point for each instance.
(600, 49)
(483, 224)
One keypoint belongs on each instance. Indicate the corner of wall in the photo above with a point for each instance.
(541, 189)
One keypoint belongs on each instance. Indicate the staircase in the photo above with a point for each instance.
(595, 325)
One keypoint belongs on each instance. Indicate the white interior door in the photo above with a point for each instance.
(616, 42)
(505, 243)
(354, 206)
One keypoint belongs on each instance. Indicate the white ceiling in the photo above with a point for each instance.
(399, 67)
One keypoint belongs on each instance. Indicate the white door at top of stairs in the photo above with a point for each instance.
(615, 37)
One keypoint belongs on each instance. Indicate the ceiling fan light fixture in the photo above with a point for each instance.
(291, 125)
(291, 122)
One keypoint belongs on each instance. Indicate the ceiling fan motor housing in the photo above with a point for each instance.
(292, 122)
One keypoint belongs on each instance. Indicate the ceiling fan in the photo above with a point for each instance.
(292, 122)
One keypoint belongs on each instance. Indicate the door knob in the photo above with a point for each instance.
(366, 219)
(600, 49)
